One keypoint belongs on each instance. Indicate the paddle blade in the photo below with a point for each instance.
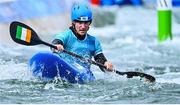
(132, 74)
(142, 75)
(23, 34)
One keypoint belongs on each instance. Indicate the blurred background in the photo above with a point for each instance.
(53, 16)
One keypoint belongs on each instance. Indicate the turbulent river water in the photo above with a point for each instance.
(130, 44)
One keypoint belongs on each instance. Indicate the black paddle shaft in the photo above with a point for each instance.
(129, 74)
(35, 40)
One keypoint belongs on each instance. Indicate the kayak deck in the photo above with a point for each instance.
(47, 66)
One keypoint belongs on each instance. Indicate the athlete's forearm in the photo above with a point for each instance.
(100, 58)
(59, 44)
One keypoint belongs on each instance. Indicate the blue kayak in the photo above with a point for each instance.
(47, 66)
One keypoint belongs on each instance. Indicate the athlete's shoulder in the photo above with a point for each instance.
(91, 37)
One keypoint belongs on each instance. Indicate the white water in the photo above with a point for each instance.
(130, 44)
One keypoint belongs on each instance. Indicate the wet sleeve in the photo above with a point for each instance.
(100, 58)
(57, 41)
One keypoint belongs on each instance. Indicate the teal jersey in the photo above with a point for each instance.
(86, 48)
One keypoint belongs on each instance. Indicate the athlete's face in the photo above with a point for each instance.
(81, 27)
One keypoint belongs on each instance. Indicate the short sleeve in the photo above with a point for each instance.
(62, 36)
(98, 48)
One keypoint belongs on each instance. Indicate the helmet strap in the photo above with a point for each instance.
(74, 28)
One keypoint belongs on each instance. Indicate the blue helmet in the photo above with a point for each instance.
(81, 12)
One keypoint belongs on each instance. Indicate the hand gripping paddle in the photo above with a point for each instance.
(25, 35)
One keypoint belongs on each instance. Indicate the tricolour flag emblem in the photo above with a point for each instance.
(23, 34)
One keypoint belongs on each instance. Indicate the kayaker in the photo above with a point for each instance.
(77, 40)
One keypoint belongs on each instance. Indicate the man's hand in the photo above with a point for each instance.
(59, 48)
(109, 66)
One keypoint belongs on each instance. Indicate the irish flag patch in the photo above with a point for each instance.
(23, 34)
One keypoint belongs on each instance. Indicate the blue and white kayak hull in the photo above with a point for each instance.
(47, 66)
